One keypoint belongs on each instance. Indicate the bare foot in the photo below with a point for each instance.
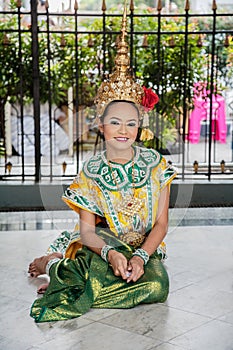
(38, 266)
(42, 288)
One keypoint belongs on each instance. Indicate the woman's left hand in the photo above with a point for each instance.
(135, 269)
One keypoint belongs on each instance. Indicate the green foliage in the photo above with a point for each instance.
(165, 74)
(162, 70)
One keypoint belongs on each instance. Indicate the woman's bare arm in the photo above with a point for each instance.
(159, 230)
(95, 243)
(87, 232)
(156, 236)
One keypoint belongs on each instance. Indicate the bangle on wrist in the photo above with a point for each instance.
(50, 263)
(104, 252)
(142, 254)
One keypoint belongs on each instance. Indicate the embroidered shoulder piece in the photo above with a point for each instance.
(98, 169)
(167, 173)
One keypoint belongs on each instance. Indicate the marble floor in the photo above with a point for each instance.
(198, 314)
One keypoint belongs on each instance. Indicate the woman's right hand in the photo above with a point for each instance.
(119, 263)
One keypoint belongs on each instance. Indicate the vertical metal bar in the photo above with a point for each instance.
(159, 88)
(180, 113)
(131, 36)
(36, 88)
(207, 80)
(49, 97)
(215, 91)
(21, 93)
(189, 101)
(211, 91)
(104, 40)
(185, 88)
(76, 88)
(163, 91)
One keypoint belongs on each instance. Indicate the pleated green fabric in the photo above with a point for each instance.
(88, 282)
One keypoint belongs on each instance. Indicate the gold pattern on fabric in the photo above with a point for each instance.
(144, 160)
(152, 287)
(73, 287)
(82, 279)
(89, 193)
(73, 247)
(92, 196)
(88, 281)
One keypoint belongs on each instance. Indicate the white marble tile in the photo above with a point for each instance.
(99, 314)
(156, 321)
(24, 245)
(200, 269)
(181, 279)
(221, 281)
(9, 304)
(18, 325)
(99, 336)
(167, 346)
(19, 249)
(228, 317)
(25, 289)
(214, 335)
(200, 255)
(201, 299)
(13, 343)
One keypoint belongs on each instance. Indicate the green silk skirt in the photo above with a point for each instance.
(88, 282)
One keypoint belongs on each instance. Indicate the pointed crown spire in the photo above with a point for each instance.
(120, 85)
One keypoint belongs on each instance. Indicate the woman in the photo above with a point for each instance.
(113, 260)
(119, 266)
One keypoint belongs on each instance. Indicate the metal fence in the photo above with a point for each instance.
(52, 64)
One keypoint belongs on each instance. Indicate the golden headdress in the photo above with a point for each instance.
(121, 85)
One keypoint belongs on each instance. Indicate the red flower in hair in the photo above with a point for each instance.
(149, 99)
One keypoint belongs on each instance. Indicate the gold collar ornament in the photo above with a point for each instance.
(129, 206)
(121, 85)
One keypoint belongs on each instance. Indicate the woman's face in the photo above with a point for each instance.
(120, 125)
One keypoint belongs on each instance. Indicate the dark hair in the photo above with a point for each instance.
(117, 101)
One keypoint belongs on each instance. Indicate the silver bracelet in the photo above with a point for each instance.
(142, 254)
(50, 263)
(105, 250)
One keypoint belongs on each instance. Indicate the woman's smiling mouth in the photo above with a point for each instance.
(121, 139)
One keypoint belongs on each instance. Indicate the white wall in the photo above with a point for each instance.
(204, 6)
(54, 5)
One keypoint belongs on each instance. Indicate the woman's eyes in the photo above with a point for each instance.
(132, 124)
(116, 122)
